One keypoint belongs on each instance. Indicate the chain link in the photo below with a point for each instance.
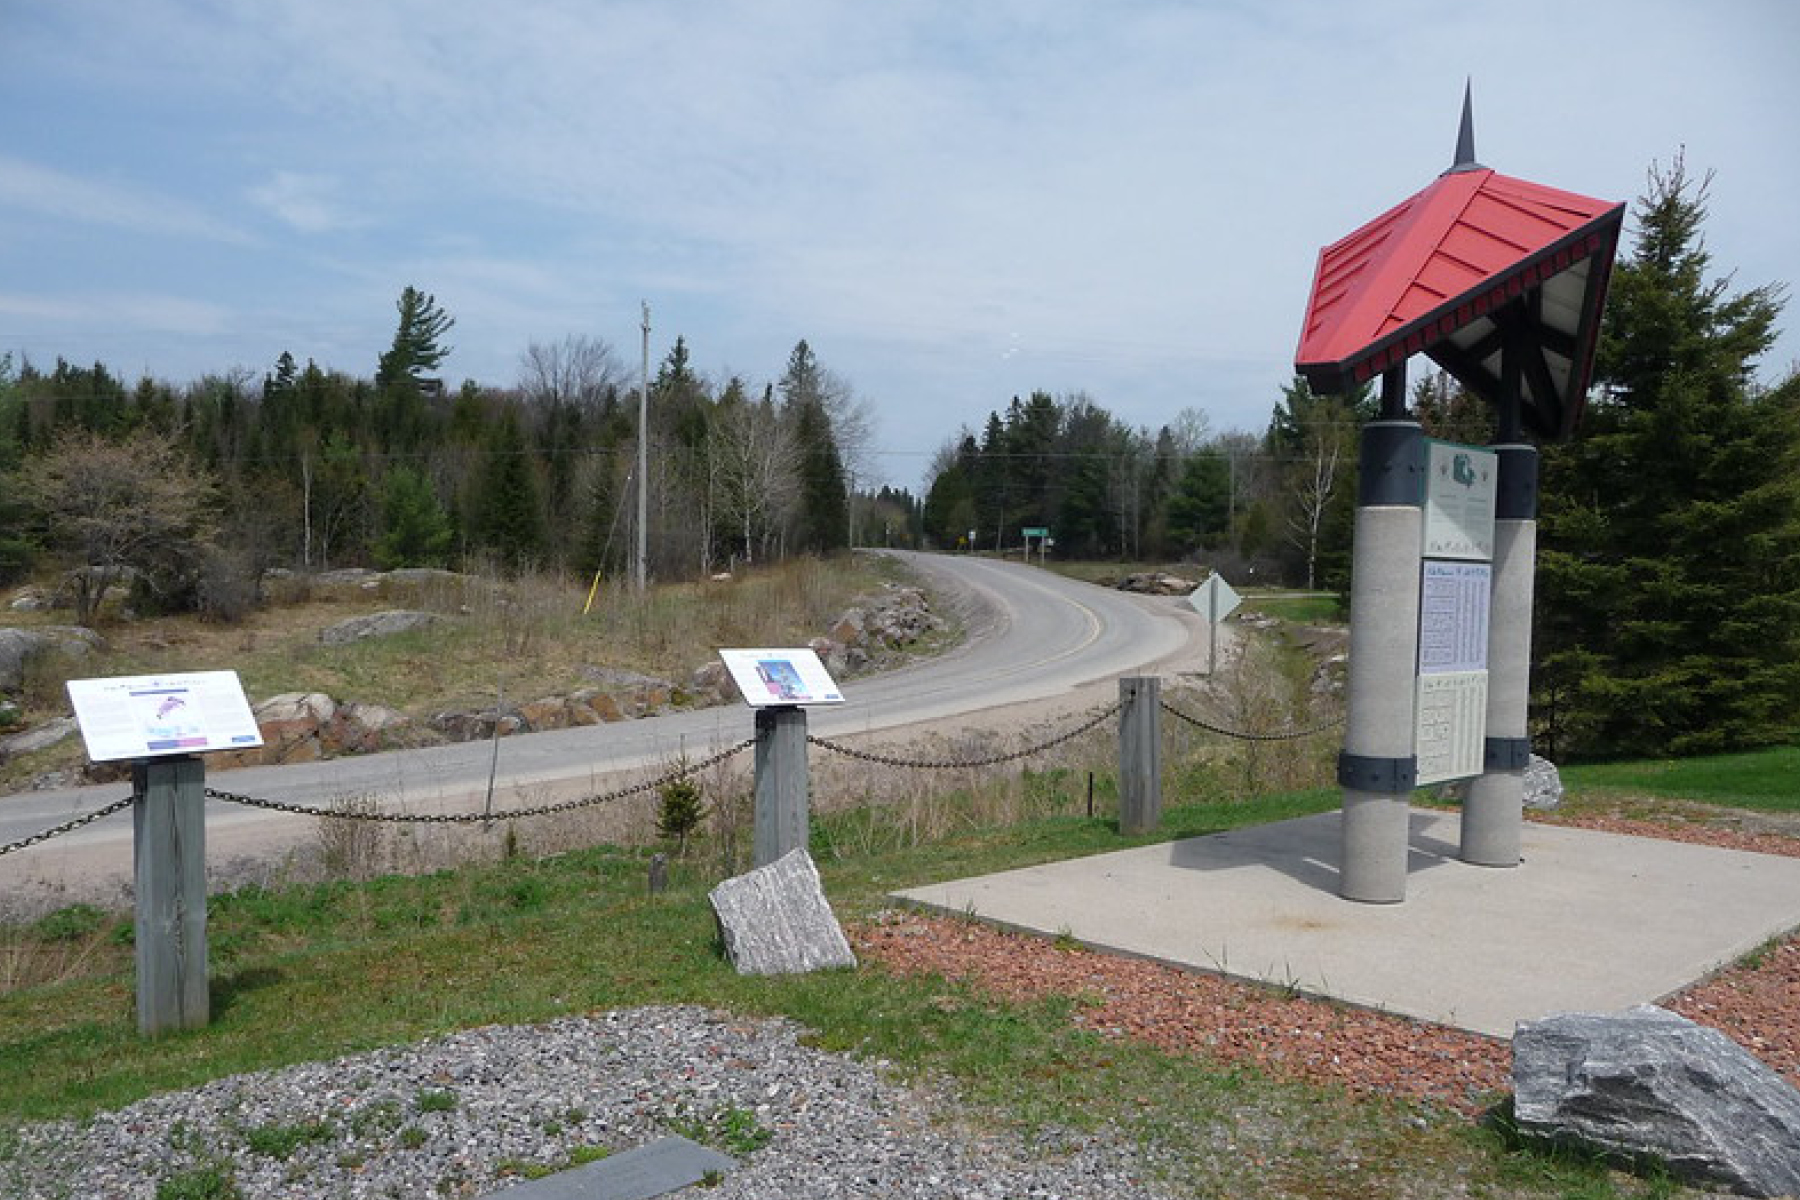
(887, 760)
(1286, 735)
(70, 826)
(543, 810)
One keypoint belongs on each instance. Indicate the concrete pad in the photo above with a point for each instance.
(1589, 922)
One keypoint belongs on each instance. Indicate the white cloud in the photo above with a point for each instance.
(47, 192)
(103, 311)
(309, 203)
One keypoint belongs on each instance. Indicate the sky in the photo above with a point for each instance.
(954, 202)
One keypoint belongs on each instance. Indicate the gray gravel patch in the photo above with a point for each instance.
(477, 1111)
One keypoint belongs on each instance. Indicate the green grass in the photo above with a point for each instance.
(312, 973)
(1304, 609)
(1761, 779)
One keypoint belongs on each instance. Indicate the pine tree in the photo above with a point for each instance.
(415, 529)
(1669, 577)
(418, 342)
(508, 519)
(1199, 513)
(823, 525)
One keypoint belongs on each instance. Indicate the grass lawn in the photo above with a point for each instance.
(1761, 779)
(308, 973)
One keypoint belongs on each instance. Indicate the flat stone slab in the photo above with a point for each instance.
(1589, 922)
(663, 1166)
(775, 920)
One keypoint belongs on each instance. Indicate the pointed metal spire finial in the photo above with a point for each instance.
(1465, 136)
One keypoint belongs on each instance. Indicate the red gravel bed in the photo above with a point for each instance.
(1322, 1042)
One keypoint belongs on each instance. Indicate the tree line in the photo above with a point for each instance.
(1668, 592)
(314, 469)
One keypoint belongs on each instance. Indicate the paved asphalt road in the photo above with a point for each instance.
(1033, 636)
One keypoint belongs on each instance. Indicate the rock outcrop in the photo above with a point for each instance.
(377, 625)
(18, 647)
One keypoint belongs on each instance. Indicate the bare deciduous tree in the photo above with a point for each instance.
(579, 370)
(1317, 477)
(756, 471)
(112, 507)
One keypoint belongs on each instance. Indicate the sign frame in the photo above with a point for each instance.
(781, 678)
(157, 716)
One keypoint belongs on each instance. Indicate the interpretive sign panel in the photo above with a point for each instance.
(1453, 617)
(1452, 723)
(1460, 484)
(147, 716)
(781, 677)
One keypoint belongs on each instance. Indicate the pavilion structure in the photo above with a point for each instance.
(1500, 282)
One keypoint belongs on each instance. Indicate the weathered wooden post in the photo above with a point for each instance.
(169, 827)
(1140, 755)
(781, 782)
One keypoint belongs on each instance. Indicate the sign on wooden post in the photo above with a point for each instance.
(161, 722)
(777, 683)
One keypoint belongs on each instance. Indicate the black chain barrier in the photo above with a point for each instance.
(1286, 735)
(514, 814)
(70, 826)
(563, 806)
(887, 760)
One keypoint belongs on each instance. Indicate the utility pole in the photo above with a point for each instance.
(643, 471)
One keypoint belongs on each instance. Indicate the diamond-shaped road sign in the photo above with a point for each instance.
(1215, 600)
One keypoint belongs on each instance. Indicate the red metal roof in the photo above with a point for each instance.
(1425, 277)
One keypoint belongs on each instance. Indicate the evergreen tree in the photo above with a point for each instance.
(415, 529)
(508, 520)
(1669, 572)
(418, 341)
(949, 512)
(15, 551)
(1199, 513)
(823, 524)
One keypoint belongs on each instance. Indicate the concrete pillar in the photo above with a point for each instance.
(782, 784)
(1492, 815)
(169, 849)
(1377, 768)
(1140, 755)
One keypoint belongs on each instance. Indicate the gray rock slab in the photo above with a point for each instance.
(40, 738)
(374, 625)
(775, 920)
(1649, 1083)
(665, 1165)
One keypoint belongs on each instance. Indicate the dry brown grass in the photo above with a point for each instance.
(525, 638)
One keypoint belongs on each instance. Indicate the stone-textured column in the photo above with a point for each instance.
(1377, 768)
(782, 784)
(1492, 814)
(169, 848)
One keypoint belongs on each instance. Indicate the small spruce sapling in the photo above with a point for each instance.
(683, 808)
